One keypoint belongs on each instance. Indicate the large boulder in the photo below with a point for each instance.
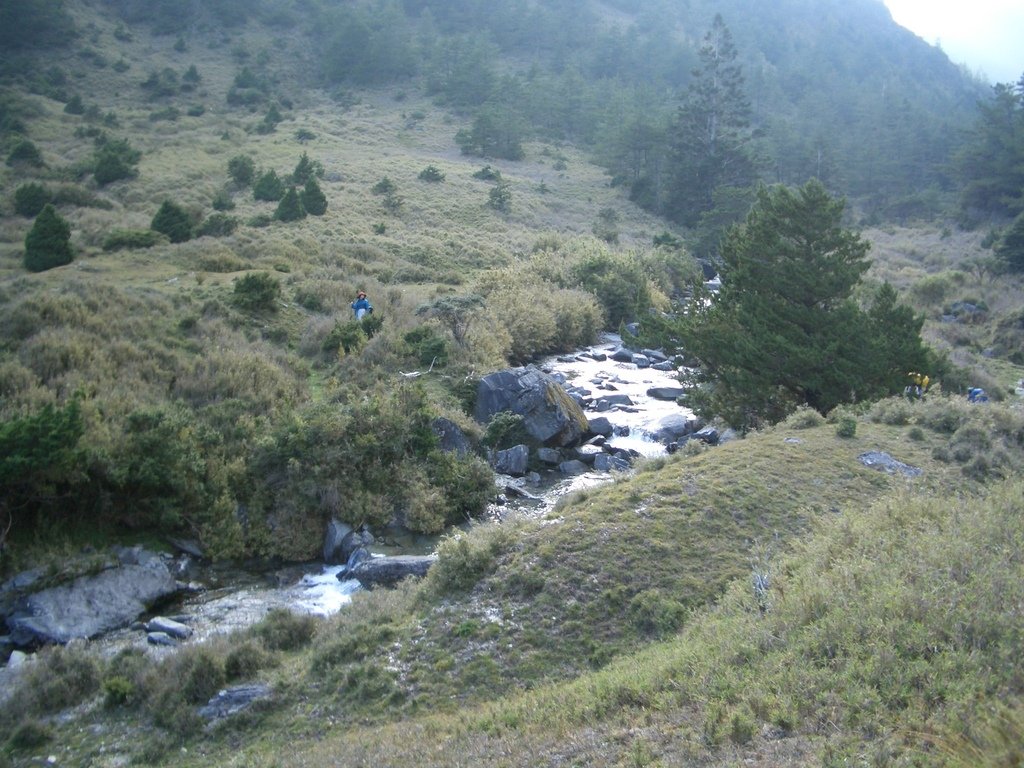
(549, 414)
(94, 604)
(512, 461)
(387, 571)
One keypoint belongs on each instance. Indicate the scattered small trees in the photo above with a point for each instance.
(48, 243)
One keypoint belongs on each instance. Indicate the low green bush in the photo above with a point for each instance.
(30, 199)
(257, 292)
(244, 660)
(217, 225)
(846, 427)
(284, 630)
(173, 221)
(120, 239)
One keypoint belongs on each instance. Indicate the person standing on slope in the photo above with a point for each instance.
(361, 305)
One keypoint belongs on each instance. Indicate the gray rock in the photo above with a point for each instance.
(333, 538)
(452, 438)
(609, 401)
(549, 414)
(94, 604)
(550, 455)
(673, 427)
(641, 361)
(707, 435)
(574, 467)
(231, 701)
(170, 627)
(655, 355)
(160, 638)
(886, 463)
(622, 355)
(665, 366)
(512, 461)
(599, 357)
(666, 393)
(386, 571)
(601, 426)
(16, 659)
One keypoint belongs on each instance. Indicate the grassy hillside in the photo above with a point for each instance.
(769, 602)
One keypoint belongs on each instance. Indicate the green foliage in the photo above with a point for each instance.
(35, 23)
(257, 292)
(499, 197)
(173, 221)
(117, 690)
(61, 677)
(504, 430)
(242, 170)
(427, 346)
(30, 199)
(284, 630)
(1011, 246)
(74, 105)
(307, 170)
(991, 165)
(497, 131)
(846, 427)
(618, 281)
(384, 186)
(712, 132)
(48, 243)
(464, 560)
(217, 225)
(784, 331)
(290, 208)
(24, 152)
(113, 160)
(119, 239)
(655, 614)
(432, 174)
(245, 659)
(313, 200)
(456, 313)
(268, 187)
(487, 173)
(348, 337)
(30, 734)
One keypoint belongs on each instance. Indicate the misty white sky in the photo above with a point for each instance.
(986, 35)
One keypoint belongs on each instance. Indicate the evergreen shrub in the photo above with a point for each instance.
(257, 292)
(174, 221)
(30, 199)
(48, 243)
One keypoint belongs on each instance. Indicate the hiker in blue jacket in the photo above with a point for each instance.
(361, 305)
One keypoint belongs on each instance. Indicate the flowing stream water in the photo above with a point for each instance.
(234, 598)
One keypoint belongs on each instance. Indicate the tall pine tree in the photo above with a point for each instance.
(784, 331)
(712, 142)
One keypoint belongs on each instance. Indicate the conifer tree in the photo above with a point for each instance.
(1011, 248)
(712, 141)
(784, 331)
(48, 243)
(268, 187)
(313, 199)
(173, 220)
(290, 208)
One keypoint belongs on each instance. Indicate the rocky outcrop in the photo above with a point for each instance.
(550, 415)
(94, 604)
(341, 540)
(886, 463)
